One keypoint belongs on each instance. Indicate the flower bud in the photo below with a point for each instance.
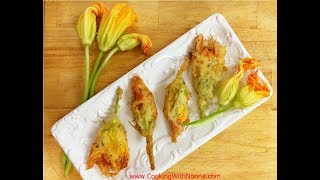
(87, 26)
(130, 41)
(230, 86)
(254, 91)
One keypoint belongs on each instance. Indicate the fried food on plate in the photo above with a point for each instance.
(176, 108)
(110, 151)
(207, 67)
(144, 112)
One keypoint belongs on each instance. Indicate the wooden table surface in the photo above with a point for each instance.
(245, 150)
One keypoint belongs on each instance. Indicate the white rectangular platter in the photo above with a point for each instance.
(76, 131)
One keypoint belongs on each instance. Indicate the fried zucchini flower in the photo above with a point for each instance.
(145, 113)
(110, 151)
(176, 108)
(207, 67)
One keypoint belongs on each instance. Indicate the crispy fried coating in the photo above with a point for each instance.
(145, 113)
(176, 108)
(207, 67)
(110, 151)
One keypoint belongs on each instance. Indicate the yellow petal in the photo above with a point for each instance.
(98, 9)
(248, 63)
(230, 86)
(86, 26)
(255, 82)
(253, 92)
(146, 43)
(113, 25)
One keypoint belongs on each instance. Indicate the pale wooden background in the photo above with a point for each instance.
(246, 150)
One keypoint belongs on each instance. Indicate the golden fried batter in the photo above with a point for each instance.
(145, 113)
(207, 67)
(176, 108)
(110, 151)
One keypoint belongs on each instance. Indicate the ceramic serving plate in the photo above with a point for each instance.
(76, 131)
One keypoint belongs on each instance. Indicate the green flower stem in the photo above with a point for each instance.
(96, 66)
(207, 118)
(97, 75)
(68, 167)
(87, 76)
(66, 164)
(64, 160)
(119, 97)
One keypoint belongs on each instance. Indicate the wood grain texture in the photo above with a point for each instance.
(245, 150)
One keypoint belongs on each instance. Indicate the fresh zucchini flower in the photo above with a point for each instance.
(87, 24)
(254, 91)
(113, 24)
(230, 86)
(130, 41)
(86, 28)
